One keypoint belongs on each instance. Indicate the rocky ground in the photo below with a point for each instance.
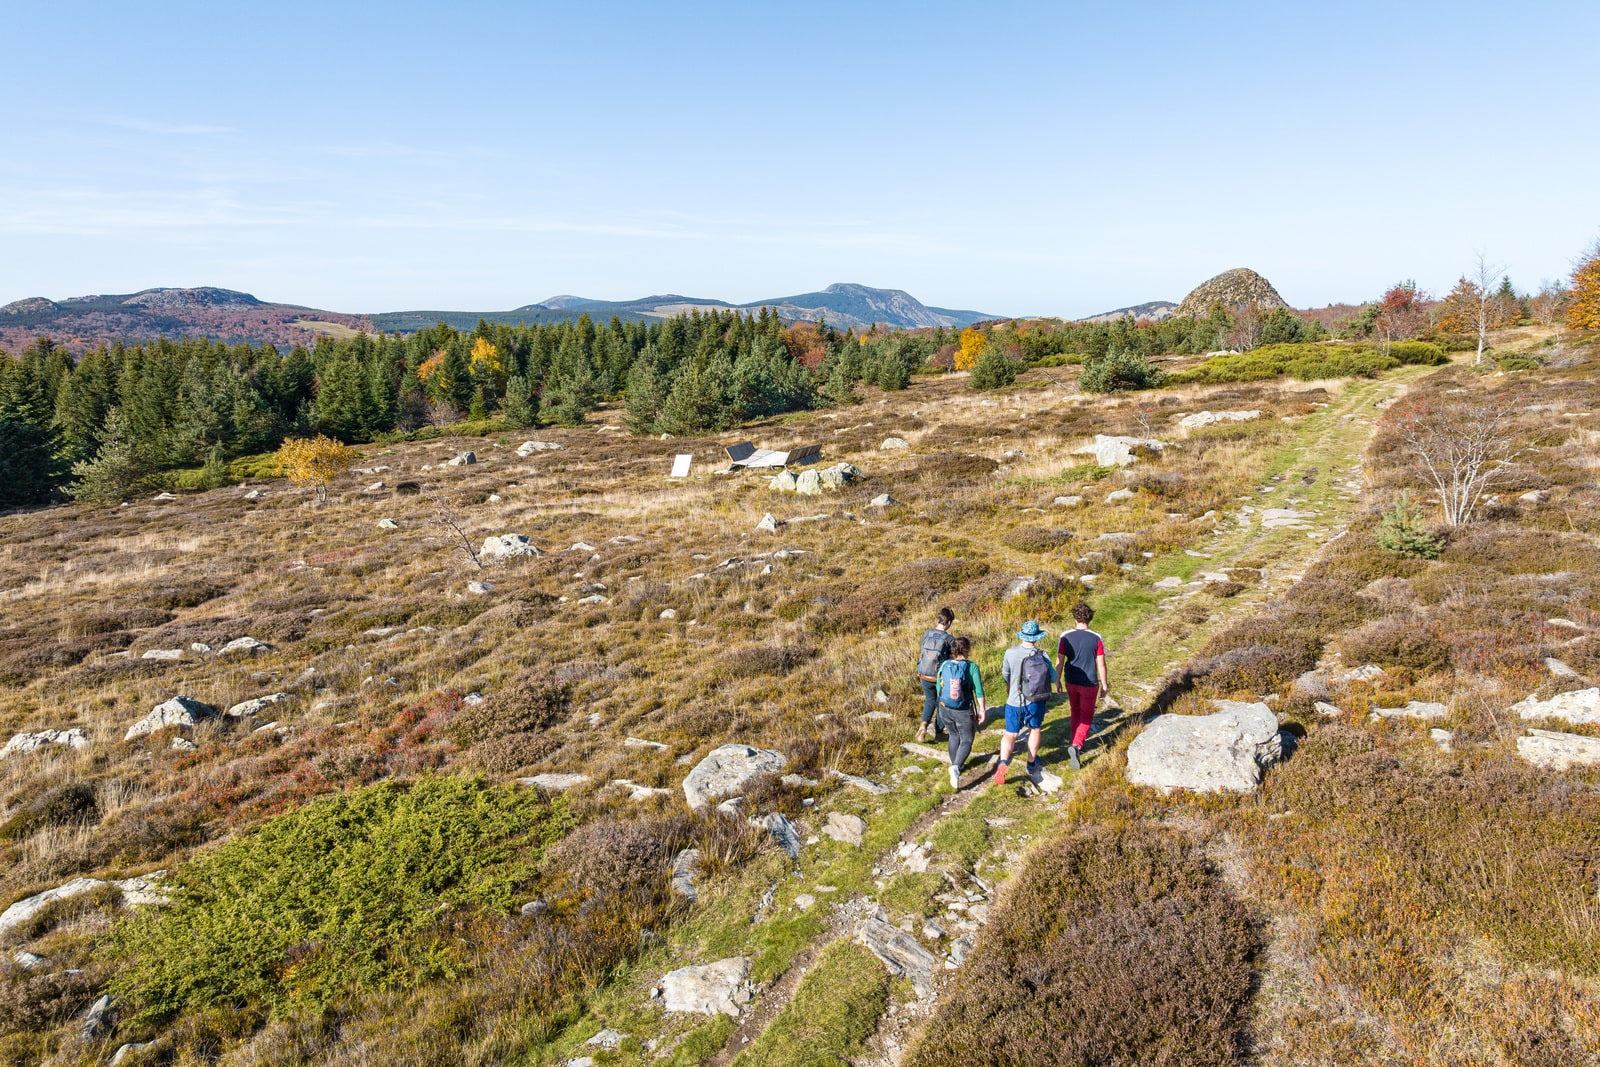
(703, 682)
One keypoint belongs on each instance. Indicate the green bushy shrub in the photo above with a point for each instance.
(994, 369)
(1419, 353)
(1061, 359)
(1119, 371)
(1306, 362)
(342, 895)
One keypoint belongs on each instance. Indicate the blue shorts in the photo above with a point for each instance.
(1028, 716)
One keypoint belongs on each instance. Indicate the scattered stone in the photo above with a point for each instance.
(1415, 709)
(1170, 582)
(464, 460)
(183, 744)
(804, 901)
(882, 500)
(473, 699)
(1581, 706)
(1047, 782)
(388, 524)
(784, 482)
(1366, 673)
(960, 947)
(719, 988)
(1020, 586)
(480, 588)
(555, 783)
(1067, 501)
(199, 646)
(72, 738)
(1324, 708)
(607, 1039)
(639, 742)
(845, 829)
(592, 599)
(102, 1016)
(165, 496)
(243, 644)
(527, 448)
(1117, 496)
(1224, 751)
(580, 1061)
(768, 524)
(1564, 623)
(1559, 668)
(798, 781)
(181, 711)
(1211, 418)
(1537, 496)
(925, 751)
(28, 961)
(725, 771)
(1284, 519)
(534, 907)
(668, 613)
(786, 833)
(508, 546)
(1442, 738)
(253, 494)
(1551, 750)
(637, 791)
(684, 867)
(866, 785)
(375, 487)
(1118, 451)
(892, 443)
(162, 653)
(900, 952)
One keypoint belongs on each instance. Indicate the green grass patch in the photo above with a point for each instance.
(834, 1010)
(349, 893)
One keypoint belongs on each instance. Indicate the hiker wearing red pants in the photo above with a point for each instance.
(1081, 666)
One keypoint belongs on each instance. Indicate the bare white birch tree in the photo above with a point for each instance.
(1463, 450)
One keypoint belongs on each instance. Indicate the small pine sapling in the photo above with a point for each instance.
(1403, 533)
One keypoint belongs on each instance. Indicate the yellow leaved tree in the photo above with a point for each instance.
(485, 361)
(314, 462)
(972, 345)
(1583, 311)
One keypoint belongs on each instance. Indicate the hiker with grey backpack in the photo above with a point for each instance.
(935, 650)
(1030, 679)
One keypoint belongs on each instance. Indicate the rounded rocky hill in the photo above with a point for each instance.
(1232, 289)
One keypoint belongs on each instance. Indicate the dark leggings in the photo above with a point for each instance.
(930, 703)
(962, 726)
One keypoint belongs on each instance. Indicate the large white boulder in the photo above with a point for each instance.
(1111, 451)
(1579, 706)
(726, 770)
(1557, 751)
(720, 988)
(73, 738)
(256, 705)
(181, 711)
(143, 889)
(1211, 418)
(508, 546)
(1222, 752)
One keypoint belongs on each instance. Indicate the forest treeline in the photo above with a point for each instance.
(162, 405)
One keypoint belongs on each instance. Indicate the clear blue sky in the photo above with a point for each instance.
(1011, 157)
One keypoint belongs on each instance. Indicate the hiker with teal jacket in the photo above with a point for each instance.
(1030, 679)
(961, 704)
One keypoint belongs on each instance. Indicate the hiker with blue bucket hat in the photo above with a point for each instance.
(1030, 679)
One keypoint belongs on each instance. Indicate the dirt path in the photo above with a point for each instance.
(1312, 488)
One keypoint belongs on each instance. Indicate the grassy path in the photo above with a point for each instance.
(928, 846)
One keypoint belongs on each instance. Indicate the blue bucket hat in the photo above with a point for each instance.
(1030, 631)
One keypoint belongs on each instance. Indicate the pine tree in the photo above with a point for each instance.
(340, 408)
(648, 387)
(994, 369)
(117, 470)
(518, 409)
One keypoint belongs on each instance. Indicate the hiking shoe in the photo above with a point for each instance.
(1033, 768)
(955, 777)
(1000, 775)
(1072, 757)
(922, 733)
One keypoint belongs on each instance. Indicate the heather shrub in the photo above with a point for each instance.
(617, 855)
(924, 579)
(1036, 538)
(858, 612)
(72, 804)
(527, 704)
(1402, 640)
(755, 661)
(512, 752)
(341, 895)
(1112, 947)
(36, 1002)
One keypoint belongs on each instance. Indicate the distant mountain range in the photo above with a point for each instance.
(1154, 310)
(235, 317)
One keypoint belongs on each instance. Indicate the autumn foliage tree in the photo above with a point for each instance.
(1583, 308)
(1474, 307)
(1402, 314)
(972, 345)
(314, 462)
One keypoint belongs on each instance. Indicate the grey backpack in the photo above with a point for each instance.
(935, 650)
(1035, 677)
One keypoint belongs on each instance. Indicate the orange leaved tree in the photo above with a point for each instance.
(1473, 306)
(1583, 307)
(314, 462)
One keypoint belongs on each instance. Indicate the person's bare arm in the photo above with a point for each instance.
(1100, 669)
